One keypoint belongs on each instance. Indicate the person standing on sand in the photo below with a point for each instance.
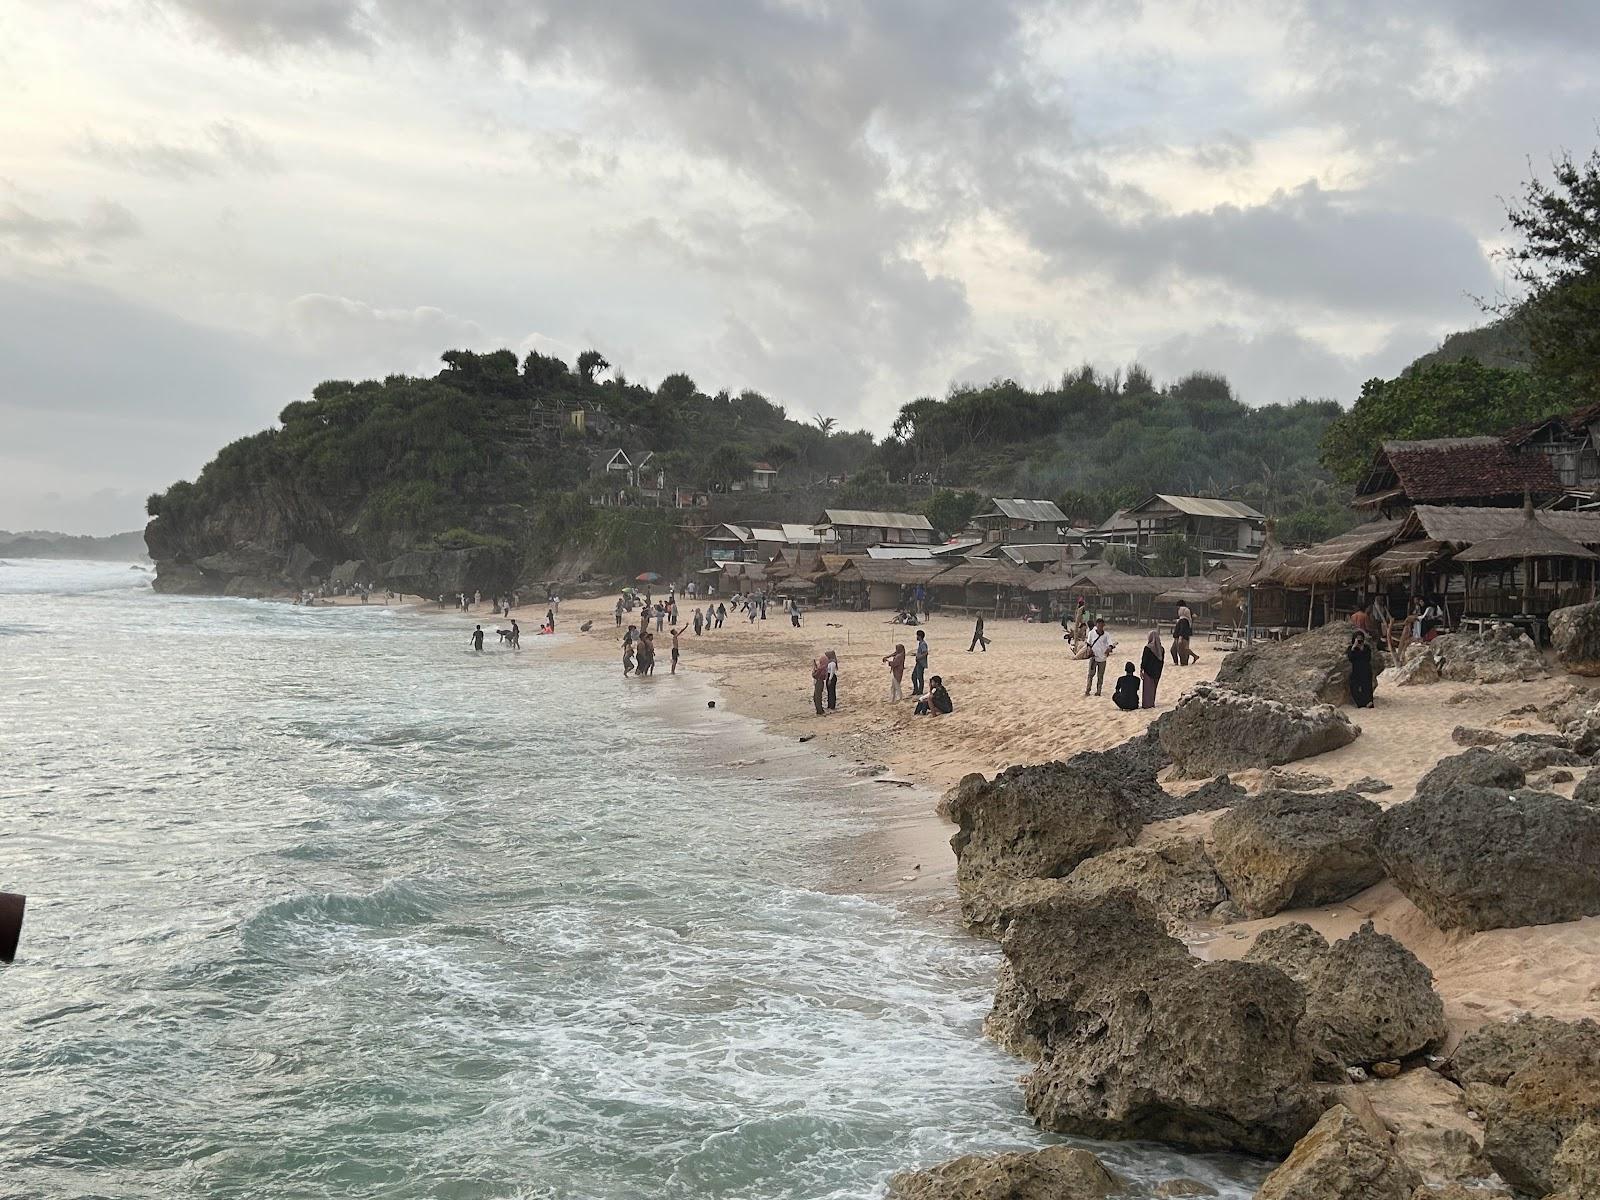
(897, 670)
(1182, 631)
(477, 639)
(516, 635)
(1360, 656)
(1080, 620)
(1100, 645)
(819, 683)
(794, 612)
(675, 635)
(699, 622)
(919, 666)
(722, 613)
(1151, 663)
(619, 612)
(550, 618)
(833, 680)
(1126, 694)
(977, 636)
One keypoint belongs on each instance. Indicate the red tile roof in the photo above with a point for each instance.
(1464, 468)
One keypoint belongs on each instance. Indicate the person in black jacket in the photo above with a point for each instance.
(1360, 656)
(1150, 664)
(1126, 694)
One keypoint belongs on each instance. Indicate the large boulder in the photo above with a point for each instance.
(1588, 789)
(1575, 633)
(1174, 876)
(1477, 858)
(1279, 850)
(1577, 1165)
(1368, 998)
(1215, 729)
(1054, 1173)
(1220, 792)
(1340, 1160)
(1477, 767)
(1136, 1039)
(1492, 1053)
(1542, 1106)
(1131, 767)
(1501, 654)
(1309, 668)
(1035, 822)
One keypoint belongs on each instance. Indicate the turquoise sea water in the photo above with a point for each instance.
(324, 905)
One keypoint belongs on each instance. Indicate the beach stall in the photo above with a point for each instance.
(1329, 580)
(1528, 571)
(982, 585)
(883, 583)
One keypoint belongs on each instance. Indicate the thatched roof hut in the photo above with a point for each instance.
(1531, 538)
(1468, 526)
(1338, 559)
(1402, 559)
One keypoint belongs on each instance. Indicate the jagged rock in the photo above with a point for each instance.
(1477, 767)
(442, 572)
(1500, 654)
(1493, 1053)
(1588, 789)
(1542, 1105)
(1174, 877)
(1468, 735)
(245, 560)
(182, 579)
(303, 565)
(1583, 731)
(354, 570)
(1295, 781)
(953, 797)
(1220, 792)
(1309, 668)
(1548, 779)
(1136, 1039)
(1214, 729)
(1036, 822)
(1420, 668)
(1227, 913)
(1279, 850)
(1571, 702)
(1578, 1163)
(1131, 767)
(1054, 1173)
(1537, 751)
(1369, 785)
(1458, 1191)
(1339, 1160)
(1426, 1116)
(1476, 858)
(248, 585)
(1575, 634)
(1368, 998)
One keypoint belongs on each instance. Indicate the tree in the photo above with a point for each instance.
(1124, 558)
(726, 465)
(1443, 400)
(1174, 556)
(825, 424)
(950, 511)
(589, 363)
(1558, 263)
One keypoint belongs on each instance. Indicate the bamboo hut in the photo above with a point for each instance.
(883, 583)
(1337, 568)
(1514, 558)
(990, 585)
(1263, 603)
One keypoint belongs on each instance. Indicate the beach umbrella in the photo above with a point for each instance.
(647, 577)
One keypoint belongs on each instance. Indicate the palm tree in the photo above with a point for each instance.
(825, 424)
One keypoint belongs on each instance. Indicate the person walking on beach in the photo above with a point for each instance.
(897, 670)
(819, 683)
(1126, 694)
(722, 613)
(919, 667)
(977, 636)
(794, 612)
(833, 680)
(1151, 663)
(1100, 645)
(1360, 656)
(477, 639)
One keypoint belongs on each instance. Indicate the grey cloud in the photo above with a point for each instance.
(380, 340)
(104, 221)
(264, 26)
(222, 146)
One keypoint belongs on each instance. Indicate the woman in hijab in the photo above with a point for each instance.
(897, 669)
(1360, 656)
(1150, 664)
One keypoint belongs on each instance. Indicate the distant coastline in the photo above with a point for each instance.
(38, 543)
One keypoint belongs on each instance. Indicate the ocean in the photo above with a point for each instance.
(322, 904)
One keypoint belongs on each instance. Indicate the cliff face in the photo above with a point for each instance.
(280, 539)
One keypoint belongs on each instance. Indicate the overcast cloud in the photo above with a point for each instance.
(206, 206)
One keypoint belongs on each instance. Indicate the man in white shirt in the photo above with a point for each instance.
(1100, 646)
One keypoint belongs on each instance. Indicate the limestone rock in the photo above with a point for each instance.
(1169, 1189)
(1537, 751)
(954, 797)
(1549, 779)
(1544, 1104)
(1131, 767)
(1475, 858)
(1500, 654)
(1220, 792)
(1578, 1163)
(1575, 634)
(1494, 1052)
(1054, 1173)
(1368, 998)
(1470, 735)
(1036, 822)
(1339, 1160)
(1136, 1039)
(1588, 789)
(1571, 702)
(1425, 1116)
(1479, 767)
(1309, 668)
(1420, 667)
(1295, 781)
(1279, 850)
(1214, 729)
(1369, 785)
(1174, 877)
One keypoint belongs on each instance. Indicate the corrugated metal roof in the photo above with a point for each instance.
(800, 535)
(875, 520)
(959, 546)
(766, 533)
(1043, 552)
(1204, 506)
(1117, 522)
(887, 552)
(1029, 510)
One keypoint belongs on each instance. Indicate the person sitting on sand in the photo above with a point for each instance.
(897, 670)
(938, 703)
(1126, 694)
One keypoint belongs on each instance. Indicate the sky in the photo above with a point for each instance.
(208, 206)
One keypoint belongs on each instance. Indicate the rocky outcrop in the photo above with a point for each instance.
(1131, 767)
(1308, 669)
(1135, 1039)
(1501, 654)
(1476, 858)
(1220, 792)
(1575, 634)
(1174, 877)
(1054, 1173)
(1577, 1165)
(1477, 767)
(1368, 998)
(1493, 1053)
(1543, 1104)
(1588, 789)
(1340, 1160)
(1036, 822)
(1215, 729)
(1279, 850)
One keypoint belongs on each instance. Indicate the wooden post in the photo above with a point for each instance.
(1311, 608)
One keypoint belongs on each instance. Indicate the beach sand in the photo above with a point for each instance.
(1022, 702)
